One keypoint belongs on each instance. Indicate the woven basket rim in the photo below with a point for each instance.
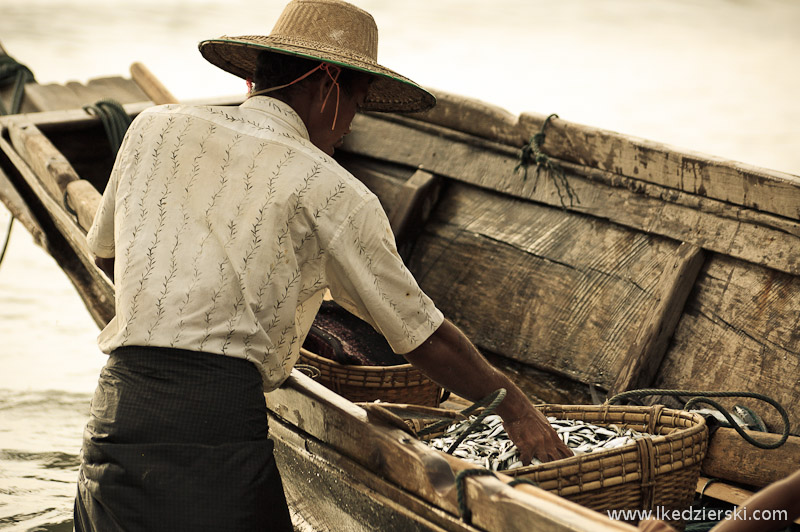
(355, 367)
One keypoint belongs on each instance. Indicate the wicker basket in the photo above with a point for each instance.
(390, 384)
(661, 471)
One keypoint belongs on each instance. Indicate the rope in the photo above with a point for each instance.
(8, 238)
(532, 153)
(13, 72)
(114, 118)
(494, 399)
(466, 515)
(703, 397)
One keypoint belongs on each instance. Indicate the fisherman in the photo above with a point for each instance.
(222, 228)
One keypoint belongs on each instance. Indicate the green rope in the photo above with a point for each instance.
(493, 399)
(703, 397)
(8, 238)
(532, 153)
(461, 478)
(13, 72)
(114, 118)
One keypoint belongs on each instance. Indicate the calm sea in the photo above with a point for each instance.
(715, 76)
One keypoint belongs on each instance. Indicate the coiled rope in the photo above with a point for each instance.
(698, 397)
(532, 154)
(14, 72)
(114, 118)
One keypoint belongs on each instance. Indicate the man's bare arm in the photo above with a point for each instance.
(451, 360)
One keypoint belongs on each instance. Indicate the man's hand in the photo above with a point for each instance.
(450, 359)
(534, 437)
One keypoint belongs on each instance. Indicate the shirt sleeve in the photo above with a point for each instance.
(367, 276)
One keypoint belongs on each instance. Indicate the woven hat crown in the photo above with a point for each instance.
(329, 26)
(330, 31)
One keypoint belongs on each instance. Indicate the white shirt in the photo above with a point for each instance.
(228, 224)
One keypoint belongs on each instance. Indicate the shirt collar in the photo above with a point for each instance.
(278, 110)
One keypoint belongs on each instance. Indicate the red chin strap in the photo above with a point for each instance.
(333, 72)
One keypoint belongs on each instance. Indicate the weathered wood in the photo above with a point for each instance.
(641, 362)
(93, 286)
(554, 290)
(710, 224)
(475, 117)
(74, 95)
(151, 85)
(412, 466)
(332, 492)
(20, 211)
(739, 332)
(53, 169)
(713, 177)
(730, 457)
(416, 201)
(722, 491)
(84, 200)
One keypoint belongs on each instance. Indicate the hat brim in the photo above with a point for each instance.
(389, 91)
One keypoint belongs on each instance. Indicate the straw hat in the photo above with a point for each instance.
(331, 31)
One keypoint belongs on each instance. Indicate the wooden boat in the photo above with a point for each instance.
(656, 267)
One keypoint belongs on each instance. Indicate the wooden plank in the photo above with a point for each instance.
(732, 182)
(410, 465)
(739, 332)
(118, 88)
(731, 458)
(52, 97)
(417, 198)
(19, 210)
(722, 491)
(52, 168)
(475, 117)
(332, 492)
(84, 200)
(93, 286)
(643, 359)
(550, 289)
(710, 224)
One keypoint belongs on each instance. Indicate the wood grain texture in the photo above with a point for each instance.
(644, 356)
(730, 457)
(740, 331)
(554, 290)
(705, 175)
(412, 466)
(73, 255)
(712, 224)
(52, 168)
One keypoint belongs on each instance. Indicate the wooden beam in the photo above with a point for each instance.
(417, 198)
(711, 487)
(410, 465)
(19, 210)
(53, 169)
(731, 458)
(151, 85)
(712, 224)
(643, 359)
(673, 168)
(94, 287)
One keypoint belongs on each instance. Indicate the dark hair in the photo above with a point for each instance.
(274, 69)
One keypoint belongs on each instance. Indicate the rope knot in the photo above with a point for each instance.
(532, 153)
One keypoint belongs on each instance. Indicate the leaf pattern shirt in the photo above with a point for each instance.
(227, 225)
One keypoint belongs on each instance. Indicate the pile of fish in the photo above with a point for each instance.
(489, 446)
